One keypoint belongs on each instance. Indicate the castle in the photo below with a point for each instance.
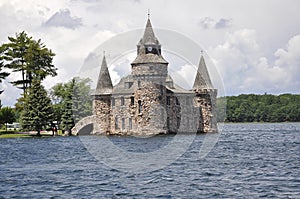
(148, 102)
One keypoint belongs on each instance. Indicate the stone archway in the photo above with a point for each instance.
(84, 122)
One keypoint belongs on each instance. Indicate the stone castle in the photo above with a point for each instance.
(148, 102)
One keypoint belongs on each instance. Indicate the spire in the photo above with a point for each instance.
(149, 48)
(202, 79)
(104, 84)
(149, 37)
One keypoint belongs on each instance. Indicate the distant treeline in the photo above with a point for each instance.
(259, 108)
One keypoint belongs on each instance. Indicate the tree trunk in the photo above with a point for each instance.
(38, 132)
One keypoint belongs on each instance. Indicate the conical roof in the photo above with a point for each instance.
(104, 84)
(149, 37)
(202, 79)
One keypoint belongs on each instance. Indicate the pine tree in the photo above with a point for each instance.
(67, 120)
(29, 57)
(38, 111)
(6, 116)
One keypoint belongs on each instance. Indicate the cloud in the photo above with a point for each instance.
(210, 23)
(63, 18)
(246, 69)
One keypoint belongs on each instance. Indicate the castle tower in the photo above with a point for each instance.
(102, 100)
(149, 71)
(205, 97)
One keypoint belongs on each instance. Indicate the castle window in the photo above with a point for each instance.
(177, 101)
(116, 123)
(123, 123)
(122, 101)
(131, 100)
(139, 83)
(168, 100)
(140, 106)
(113, 102)
(130, 123)
(161, 87)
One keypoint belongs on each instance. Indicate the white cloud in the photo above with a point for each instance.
(210, 23)
(63, 18)
(243, 55)
(245, 69)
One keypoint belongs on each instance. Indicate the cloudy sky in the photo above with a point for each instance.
(253, 44)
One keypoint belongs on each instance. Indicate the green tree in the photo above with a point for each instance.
(72, 101)
(3, 75)
(7, 116)
(29, 57)
(37, 112)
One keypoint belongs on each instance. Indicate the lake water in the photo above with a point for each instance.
(248, 161)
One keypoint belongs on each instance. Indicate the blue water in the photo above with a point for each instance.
(248, 161)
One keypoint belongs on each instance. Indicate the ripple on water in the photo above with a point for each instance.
(249, 161)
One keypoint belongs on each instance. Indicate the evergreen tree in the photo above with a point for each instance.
(67, 119)
(72, 101)
(7, 116)
(3, 75)
(37, 112)
(29, 57)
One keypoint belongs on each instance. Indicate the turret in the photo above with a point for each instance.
(102, 100)
(205, 97)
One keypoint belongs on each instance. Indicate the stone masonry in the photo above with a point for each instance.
(148, 102)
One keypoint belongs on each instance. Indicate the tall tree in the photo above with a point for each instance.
(29, 57)
(37, 112)
(6, 116)
(3, 75)
(72, 101)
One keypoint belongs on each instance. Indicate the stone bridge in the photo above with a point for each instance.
(84, 122)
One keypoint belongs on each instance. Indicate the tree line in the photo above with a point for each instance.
(37, 109)
(259, 108)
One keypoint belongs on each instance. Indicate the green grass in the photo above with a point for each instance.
(9, 135)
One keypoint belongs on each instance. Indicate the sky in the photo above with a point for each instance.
(253, 45)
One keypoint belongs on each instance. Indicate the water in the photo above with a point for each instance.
(249, 161)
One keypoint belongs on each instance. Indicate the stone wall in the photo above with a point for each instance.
(205, 99)
(150, 69)
(141, 113)
(102, 109)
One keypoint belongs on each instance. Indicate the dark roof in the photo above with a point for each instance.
(149, 39)
(104, 84)
(202, 79)
(149, 58)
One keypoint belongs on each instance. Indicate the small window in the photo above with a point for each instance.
(131, 100)
(168, 100)
(122, 101)
(139, 83)
(177, 101)
(123, 123)
(116, 123)
(113, 102)
(130, 123)
(161, 86)
(140, 106)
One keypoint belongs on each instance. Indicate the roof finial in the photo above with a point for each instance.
(103, 53)
(148, 13)
(201, 52)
